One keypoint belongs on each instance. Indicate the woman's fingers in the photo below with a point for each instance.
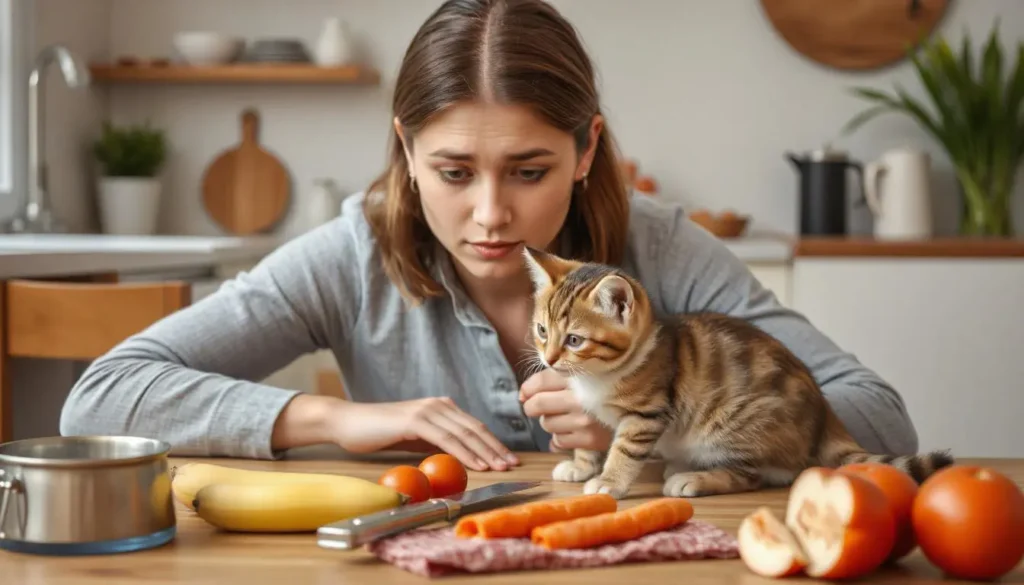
(450, 443)
(474, 434)
(550, 403)
(594, 436)
(543, 381)
(565, 423)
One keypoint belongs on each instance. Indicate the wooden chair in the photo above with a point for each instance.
(74, 321)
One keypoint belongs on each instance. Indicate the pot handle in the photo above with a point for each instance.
(8, 487)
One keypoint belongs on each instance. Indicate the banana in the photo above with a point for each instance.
(188, 479)
(288, 507)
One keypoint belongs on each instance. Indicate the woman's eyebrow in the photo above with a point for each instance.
(516, 156)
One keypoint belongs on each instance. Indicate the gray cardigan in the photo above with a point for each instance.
(193, 379)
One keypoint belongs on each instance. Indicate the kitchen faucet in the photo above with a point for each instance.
(36, 216)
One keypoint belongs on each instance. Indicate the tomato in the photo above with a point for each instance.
(842, 522)
(446, 474)
(408, 480)
(969, 522)
(900, 489)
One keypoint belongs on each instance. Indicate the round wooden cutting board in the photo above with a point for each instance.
(246, 190)
(854, 34)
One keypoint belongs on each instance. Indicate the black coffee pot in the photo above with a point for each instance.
(823, 198)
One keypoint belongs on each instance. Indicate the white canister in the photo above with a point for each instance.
(129, 206)
(334, 47)
(324, 203)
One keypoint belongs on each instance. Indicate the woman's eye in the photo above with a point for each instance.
(542, 331)
(454, 175)
(573, 341)
(531, 175)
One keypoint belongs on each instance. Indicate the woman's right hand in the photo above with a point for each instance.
(369, 427)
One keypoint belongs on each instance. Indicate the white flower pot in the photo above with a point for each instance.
(129, 205)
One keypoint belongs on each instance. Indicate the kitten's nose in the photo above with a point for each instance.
(551, 355)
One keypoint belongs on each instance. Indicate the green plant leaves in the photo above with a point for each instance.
(973, 108)
(131, 151)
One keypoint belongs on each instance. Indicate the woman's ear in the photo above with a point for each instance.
(596, 126)
(405, 145)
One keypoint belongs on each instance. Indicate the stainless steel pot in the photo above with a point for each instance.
(85, 495)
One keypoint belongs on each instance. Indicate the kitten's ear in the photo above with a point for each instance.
(614, 297)
(544, 268)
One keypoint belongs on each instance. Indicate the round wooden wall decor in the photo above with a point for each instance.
(854, 34)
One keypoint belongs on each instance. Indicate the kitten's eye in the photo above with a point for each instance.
(573, 341)
(542, 331)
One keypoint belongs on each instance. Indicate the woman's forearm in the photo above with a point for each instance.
(308, 419)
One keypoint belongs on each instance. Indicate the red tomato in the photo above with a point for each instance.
(447, 475)
(969, 522)
(900, 489)
(408, 480)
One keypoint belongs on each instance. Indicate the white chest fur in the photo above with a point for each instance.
(592, 393)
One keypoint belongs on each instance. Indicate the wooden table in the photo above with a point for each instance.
(202, 555)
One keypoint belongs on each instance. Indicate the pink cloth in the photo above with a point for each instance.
(436, 552)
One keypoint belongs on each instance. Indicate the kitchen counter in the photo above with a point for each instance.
(200, 554)
(34, 256)
(46, 255)
(948, 247)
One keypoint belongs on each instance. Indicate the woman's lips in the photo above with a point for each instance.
(494, 250)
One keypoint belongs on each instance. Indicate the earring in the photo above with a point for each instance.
(585, 181)
(412, 184)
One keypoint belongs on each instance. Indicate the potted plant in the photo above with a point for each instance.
(975, 114)
(129, 190)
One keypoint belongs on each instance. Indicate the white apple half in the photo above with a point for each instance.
(843, 523)
(767, 546)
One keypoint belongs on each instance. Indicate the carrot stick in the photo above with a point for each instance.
(611, 527)
(518, 521)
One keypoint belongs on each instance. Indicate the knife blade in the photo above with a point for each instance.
(355, 532)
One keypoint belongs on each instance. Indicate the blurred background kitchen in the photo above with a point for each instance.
(736, 108)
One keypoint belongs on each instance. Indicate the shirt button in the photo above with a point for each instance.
(517, 424)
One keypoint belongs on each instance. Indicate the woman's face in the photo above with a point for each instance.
(492, 178)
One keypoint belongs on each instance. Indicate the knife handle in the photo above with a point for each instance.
(355, 532)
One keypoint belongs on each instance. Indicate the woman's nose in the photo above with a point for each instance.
(491, 211)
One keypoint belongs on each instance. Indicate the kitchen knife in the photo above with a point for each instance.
(355, 532)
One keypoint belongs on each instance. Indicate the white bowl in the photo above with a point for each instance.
(207, 48)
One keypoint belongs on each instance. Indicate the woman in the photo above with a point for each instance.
(419, 287)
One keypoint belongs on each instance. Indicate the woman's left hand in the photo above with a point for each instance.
(546, 396)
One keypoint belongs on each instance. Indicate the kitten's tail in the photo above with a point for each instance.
(838, 448)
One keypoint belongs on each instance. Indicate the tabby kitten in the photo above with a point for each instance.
(725, 405)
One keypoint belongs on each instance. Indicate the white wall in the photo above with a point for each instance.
(704, 93)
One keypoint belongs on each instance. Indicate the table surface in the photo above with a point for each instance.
(200, 554)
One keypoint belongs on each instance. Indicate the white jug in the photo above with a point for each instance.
(334, 46)
(325, 200)
(898, 192)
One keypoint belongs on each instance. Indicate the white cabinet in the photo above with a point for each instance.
(775, 276)
(947, 333)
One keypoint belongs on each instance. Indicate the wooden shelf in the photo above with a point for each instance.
(235, 73)
(947, 247)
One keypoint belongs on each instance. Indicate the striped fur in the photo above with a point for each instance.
(725, 405)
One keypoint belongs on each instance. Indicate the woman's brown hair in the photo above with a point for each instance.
(510, 51)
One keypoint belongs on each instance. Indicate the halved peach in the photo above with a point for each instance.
(843, 523)
(767, 547)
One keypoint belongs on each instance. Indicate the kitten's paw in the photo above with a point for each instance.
(573, 471)
(600, 486)
(685, 485)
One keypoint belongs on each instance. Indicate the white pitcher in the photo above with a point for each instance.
(898, 192)
(334, 45)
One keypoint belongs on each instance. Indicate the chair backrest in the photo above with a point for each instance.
(69, 320)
